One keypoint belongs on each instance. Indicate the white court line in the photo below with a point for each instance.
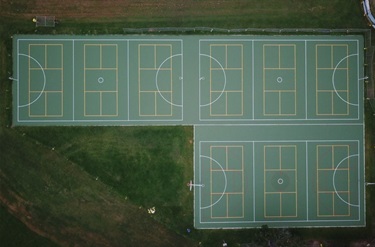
(253, 79)
(73, 97)
(199, 80)
(363, 70)
(306, 81)
(225, 179)
(156, 81)
(334, 184)
(200, 180)
(253, 144)
(182, 79)
(283, 141)
(128, 77)
(238, 39)
(18, 83)
(194, 164)
(44, 80)
(333, 80)
(273, 119)
(283, 221)
(225, 79)
(307, 180)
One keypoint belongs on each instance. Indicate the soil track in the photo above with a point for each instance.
(114, 9)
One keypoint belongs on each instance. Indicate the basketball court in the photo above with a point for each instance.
(278, 120)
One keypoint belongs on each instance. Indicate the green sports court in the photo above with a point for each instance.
(278, 120)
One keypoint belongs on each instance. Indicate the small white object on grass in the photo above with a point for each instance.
(151, 210)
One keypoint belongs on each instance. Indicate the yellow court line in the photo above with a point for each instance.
(227, 69)
(226, 170)
(279, 68)
(227, 193)
(281, 169)
(280, 113)
(46, 69)
(280, 192)
(328, 191)
(280, 91)
(49, 91)
(331, 46)
(100, 69)
(227, 150)
(343, 68)
(152, 69)
(45, 92)
(280, 148)
(45, 57)
(227, 91)
(333, 162)
(330, 91)
(332, 169)
(155, 91)
(100, 91)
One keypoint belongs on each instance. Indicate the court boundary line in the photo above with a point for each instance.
(334, 166)
(44, 83)
(305, 217)
(101, 92)
(43, 92)
(280, 92)
(306, 114)
(72, 117)
(280, 169)
(334, 184)
(143, 118)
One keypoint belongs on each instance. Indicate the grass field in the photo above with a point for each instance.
(79, 188)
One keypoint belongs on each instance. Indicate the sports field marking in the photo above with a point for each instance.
(225, 181)
(156, 84)
(44, 81)
(224, 84)
(233, 204)
(328, 97)
(280, 174)
(232, 87)
(157, 81)
(330, 198)
(46, 100)
(227, 202)
(280, 168)
(225, 80)
(279, 80)
(333, 80)
(100, 80)
(334, 182)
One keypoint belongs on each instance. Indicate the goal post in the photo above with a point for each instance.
(45, 21)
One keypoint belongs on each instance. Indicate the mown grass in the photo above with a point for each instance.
(92, 171)
(149, 166)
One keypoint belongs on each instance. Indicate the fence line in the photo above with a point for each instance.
(241, 30)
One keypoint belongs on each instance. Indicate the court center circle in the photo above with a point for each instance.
(280, 181)
(100, 79)
(279, 79)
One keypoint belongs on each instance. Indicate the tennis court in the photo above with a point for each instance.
(278, 120)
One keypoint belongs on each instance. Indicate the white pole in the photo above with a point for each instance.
(370, 184)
